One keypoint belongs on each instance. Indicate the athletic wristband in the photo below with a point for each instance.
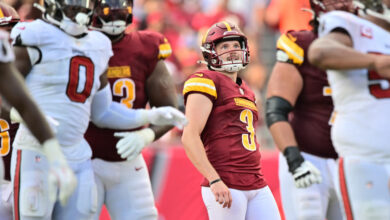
(215, 181)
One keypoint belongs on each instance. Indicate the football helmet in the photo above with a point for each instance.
(219, 32)
(72, 16)
(112, 16)
(375, 8)
(8, 16)
(322, 6)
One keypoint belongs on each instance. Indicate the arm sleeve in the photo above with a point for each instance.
(108, 114)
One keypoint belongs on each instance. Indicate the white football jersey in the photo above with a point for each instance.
(361, 97)
(65, 78)
(6, 52)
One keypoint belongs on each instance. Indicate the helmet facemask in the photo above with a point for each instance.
(113, 16)
(72, 16)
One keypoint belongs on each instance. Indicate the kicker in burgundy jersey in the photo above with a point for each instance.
(135, 58)
(229, 135)
(311, 117)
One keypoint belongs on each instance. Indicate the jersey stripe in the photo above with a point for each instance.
(245, 103)
(17, 185)
(200, 85)
(118, 71)
(344, 190)
(165, 51)
(293, 50)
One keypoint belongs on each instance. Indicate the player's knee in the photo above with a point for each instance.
(310, 207)
(34, 202)
(378, 210)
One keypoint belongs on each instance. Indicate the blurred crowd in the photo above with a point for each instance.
(183, 22)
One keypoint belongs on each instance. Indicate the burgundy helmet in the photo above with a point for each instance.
(8, 16)
(219, 32)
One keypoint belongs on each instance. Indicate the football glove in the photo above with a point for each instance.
(304, 172)
(166, 115)
(131, 143)
(61, 177)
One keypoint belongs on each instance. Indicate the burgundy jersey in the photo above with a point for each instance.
(312, 112)
(229, 135)
(7, 134)
(134, 60)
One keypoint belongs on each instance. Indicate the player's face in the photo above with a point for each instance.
(229, 50)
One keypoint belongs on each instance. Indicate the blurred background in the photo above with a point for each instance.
(183, 22)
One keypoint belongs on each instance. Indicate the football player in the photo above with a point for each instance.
(220, 138)
(355, 51)
(137, 75)
(307, 160)
(65, 64)
(12, 88)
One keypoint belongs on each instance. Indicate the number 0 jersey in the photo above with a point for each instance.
(361, 97)
(229, 135)
(313, 108)
(64, 78)
(135, 58)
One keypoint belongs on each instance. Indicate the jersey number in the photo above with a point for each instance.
(379, 87)
(248, 140)
(80, 65)
(4, 136)
(129, 86)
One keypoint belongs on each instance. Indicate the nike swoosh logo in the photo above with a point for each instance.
(138, 168)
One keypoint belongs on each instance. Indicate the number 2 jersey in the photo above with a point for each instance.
(63, 80)
(135, 58)
(229, 136)
(361, 97)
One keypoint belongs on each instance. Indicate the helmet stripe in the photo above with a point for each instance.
(227, 26)
(1, 13)
(205, 36)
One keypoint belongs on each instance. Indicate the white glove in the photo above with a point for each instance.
(61, 176)
(131, 143)
(306, 175)
(166, 115)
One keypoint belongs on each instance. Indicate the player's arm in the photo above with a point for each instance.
(160, 92)
(198, 108)
(108, 114)
(22, 59)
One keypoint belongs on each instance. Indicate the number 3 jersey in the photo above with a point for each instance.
(361, 97)
(64, 77)
(229, 135)
(135, 58)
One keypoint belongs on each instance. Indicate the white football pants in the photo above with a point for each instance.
(316, 202)
(125, 188)
(256, 204)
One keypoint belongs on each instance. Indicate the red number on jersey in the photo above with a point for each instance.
(379, 87)
(77, 64)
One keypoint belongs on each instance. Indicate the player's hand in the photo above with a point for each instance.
(167, 115)
(222, 194)
(382, 65)
(131, 143)
(304, 172)
(61, 177)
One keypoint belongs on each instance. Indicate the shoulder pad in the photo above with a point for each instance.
(200, 82)
(289, 50)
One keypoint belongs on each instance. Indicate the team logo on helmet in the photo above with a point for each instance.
(219, 32)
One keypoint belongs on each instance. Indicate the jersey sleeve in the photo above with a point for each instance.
(6, 52)
(288, 49)
(26, 34)
(200, 83)
(338, 20)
